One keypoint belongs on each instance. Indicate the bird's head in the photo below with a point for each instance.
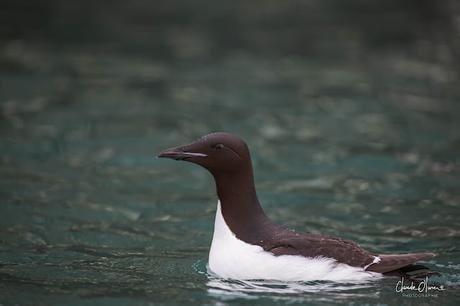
(217, 152)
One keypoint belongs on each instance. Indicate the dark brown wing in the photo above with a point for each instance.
(286, 242)
(344, 251)
(393, 262)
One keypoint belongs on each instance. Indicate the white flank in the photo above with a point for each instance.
(233, 258)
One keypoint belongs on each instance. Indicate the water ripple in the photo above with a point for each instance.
(221, 287)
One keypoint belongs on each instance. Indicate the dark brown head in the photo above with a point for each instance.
(226, 156)
(217, 152)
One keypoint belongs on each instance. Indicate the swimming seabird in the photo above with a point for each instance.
(246, 244)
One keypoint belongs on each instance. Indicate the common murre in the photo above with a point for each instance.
(247, 245)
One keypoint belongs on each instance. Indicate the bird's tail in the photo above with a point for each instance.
(403, 265)
(415, 273)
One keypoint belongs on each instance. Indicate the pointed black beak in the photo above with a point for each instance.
(179, 154)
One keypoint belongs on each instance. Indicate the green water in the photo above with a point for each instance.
(351, 112)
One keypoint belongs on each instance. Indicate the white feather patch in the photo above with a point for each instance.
(376, 260)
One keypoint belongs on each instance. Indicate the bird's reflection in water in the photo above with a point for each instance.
(300, 291)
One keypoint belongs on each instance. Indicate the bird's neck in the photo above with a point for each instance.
(239, 204)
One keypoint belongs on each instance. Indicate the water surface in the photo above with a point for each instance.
(354, 132)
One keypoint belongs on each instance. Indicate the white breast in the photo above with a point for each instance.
(230, 257)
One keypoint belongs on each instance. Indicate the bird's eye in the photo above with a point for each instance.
(218, 146)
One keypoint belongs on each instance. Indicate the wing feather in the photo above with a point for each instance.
(344, 251)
